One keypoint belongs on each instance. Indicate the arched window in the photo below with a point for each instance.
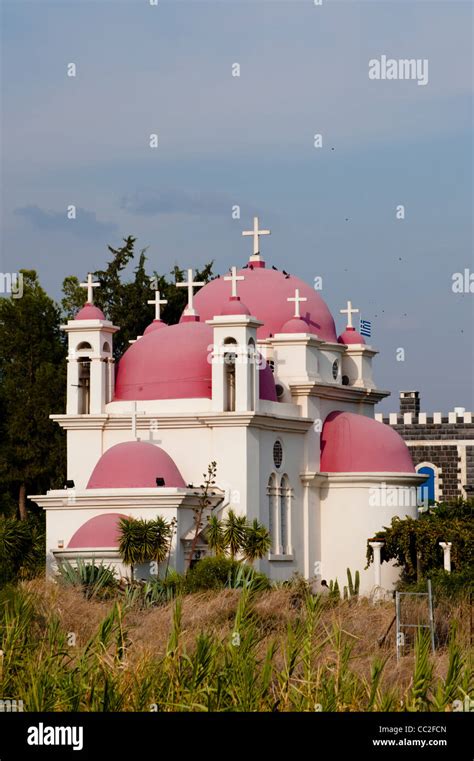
(84, 383)
(106, 347)
(428, 491)
(285, 515)
(230, 357)
(273, 513)
(84, 346)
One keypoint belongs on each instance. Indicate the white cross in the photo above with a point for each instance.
(90, 285)
(157, 302)
(256, 234)
(189, 284)
(234, 277)
(297, 299)
(349, 311)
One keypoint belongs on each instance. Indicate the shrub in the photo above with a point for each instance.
(218, 572)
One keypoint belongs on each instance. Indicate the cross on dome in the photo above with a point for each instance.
(190, 284)
(349, 311)
(255, 233)
(297, 299)
(90, 285)
(157, 301)
(233, 278)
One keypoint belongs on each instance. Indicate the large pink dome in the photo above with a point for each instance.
(134, 465)
(264, 292)
(352, 443)
(174, 363)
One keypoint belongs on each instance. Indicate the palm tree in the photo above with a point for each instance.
(141, 541)
(215, 535)
(234, 532)
(256, 543)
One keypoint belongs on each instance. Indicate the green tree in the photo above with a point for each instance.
(256, 541)
(141, 541)
(234, 532)
(32, 385)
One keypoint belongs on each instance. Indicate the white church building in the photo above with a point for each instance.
(254, 377)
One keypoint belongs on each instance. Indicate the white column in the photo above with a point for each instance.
(447, 555)
(377, 548)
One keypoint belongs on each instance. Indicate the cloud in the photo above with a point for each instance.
(85, 224)
(173, 201)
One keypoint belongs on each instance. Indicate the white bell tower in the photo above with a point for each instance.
(235, 365)
(90, 368)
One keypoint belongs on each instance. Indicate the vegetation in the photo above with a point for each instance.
(32, 384)
(234, 535)
(21, 548)
(414, 544)
(232, 650)
(142, 541)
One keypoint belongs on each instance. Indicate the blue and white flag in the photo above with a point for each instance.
(365, 328)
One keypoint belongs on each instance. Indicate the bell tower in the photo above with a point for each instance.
(90, 362)
(235, 376)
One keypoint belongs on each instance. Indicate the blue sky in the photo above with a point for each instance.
(248, 140)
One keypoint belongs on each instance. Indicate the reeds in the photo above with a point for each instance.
(250, 655)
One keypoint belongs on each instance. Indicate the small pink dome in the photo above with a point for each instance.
(350, 336)
(155, 325)
(133, 465)
(296, 325)
(352, 443)
(101, 531)
(235, 306)
(265, 292)
(90, 312)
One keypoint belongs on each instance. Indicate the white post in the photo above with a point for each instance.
(377, 548)
(447, 555)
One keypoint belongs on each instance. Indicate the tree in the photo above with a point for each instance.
(235, 535)
(234, 532)
(32, 385)
(125, 303)
(256, 542)
(414, 543)
(142, 541)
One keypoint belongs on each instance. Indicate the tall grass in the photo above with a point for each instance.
(314, 665)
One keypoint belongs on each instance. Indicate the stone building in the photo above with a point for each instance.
(441, 446)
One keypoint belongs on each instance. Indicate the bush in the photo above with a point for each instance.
(22, 549)
(219, 572)
(453, 585)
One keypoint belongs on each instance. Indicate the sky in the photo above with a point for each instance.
(248, 141)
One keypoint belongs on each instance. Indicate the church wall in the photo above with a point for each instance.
(348, 519)
(292, 464)
(84, 448)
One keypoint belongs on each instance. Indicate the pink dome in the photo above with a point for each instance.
(265, 291)
(132, 465)
(101, 531)
(173, 364)
(350, 336)
(296, 325)
(235, 306)
(352, 443)
(90, 312)
(155, 325)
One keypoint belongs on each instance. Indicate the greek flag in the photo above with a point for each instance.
(365, 328)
